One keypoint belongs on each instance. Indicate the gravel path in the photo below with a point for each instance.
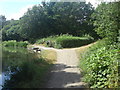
(65, 73)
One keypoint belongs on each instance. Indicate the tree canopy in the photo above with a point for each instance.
(57, 18)
(106, 20)
(2, 21)
(51, 18)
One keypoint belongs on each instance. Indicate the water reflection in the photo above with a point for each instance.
(12, 58)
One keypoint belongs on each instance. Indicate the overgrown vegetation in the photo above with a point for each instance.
(29, 74)
(100, 65)
(24, 69)
(100, 62)
(65, 41)
(53, 19)
(14, 43)
(50, 18)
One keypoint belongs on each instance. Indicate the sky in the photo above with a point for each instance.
(14, 9)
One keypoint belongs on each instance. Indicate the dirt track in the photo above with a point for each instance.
(65, 73)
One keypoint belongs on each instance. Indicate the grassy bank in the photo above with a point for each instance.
(29, 75)
(25, 69)
(14, 43)
(65, 41)
(100, 66)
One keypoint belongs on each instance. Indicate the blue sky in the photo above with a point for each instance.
(14, 9)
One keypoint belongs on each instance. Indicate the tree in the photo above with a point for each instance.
(53, 18)
(106, 20)
(2, 21)
(11, 31)
(71, 18)
(34, 23)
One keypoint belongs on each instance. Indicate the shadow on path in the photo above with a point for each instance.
(62, 77)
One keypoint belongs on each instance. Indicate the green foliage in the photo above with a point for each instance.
(55, 18)
(2, 21)
(100, 62)
(51, 18)
(65, 41)
(100, 65)
(29, 74)
(43, 40)
(14, 43)
(106, 20)
(11, 31)
(70, 41)
(51, 40)
(25, 69)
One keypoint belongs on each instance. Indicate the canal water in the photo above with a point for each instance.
(12, 59)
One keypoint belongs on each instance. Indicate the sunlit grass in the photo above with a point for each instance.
(49, 55)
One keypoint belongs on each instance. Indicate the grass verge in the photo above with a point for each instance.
(49, 55)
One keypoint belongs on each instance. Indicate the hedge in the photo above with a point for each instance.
(70, 42)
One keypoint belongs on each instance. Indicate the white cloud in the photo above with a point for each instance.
(94, 2)
(20, 13)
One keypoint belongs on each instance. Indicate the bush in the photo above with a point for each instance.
(105, 20)
(14, 43)
(100, 66)
(70, 42)
(65, 41)
(45, 41)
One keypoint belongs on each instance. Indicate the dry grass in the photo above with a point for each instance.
(49, 55)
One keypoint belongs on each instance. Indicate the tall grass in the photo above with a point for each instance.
(29, 74)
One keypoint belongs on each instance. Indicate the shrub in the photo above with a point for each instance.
(105, 20)
(65, 41)
(14, 43)
(50, 39)
(70, 42)
(22, 44)
(100, 66)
